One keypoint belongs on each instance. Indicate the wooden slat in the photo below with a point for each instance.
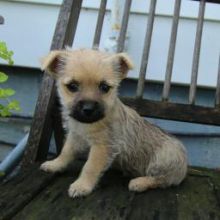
(112, 200)
(41, 129)
(146, 50)
(99, 24)
(73, 17)
(145, 206)
(103, 203)
(1, 20)
(18, 192)
(196, 53)
(170, 59)
(189, 200)
(210, 1)
(124, 25)
(173, 111)
(217, 95)
(59, 133)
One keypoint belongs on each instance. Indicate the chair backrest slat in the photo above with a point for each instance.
(174, 111)
(99, 24)
(217, 95)
(146, 50)
(124, 25)
(41, 129)
(171, 52)
(73, 17)
(196, 53)
(1, 20)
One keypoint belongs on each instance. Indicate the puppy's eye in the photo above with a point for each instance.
(104, 87)
(73, 86)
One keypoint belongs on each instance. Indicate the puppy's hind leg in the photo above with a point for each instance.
(141, 184)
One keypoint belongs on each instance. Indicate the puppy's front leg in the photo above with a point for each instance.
(66, 156)
(98, 161)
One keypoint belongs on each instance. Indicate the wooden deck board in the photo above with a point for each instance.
(15, 194)
(109, 201)
(42, 196)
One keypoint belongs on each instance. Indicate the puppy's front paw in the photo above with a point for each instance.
(52, 166)
(79, 188)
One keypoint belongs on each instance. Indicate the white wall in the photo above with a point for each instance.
(29, 28)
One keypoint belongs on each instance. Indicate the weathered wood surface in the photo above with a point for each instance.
(15, 194)
(217, 94)
(36, 195)
(174, 111)
(211, 1)
(196, 53)
(41, 129)
(1, 20)
(99, 24)
(59, 132)
(171, 52)
(124, 26)
(146, 49)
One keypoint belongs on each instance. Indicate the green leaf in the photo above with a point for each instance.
(1, 107)
(5, 112)
(14, 105)
(11, 62)
(5, 54)
(2, 93)
(9, 92)
(3, 77)
(5, 109)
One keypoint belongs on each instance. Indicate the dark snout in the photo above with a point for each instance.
(88, 111)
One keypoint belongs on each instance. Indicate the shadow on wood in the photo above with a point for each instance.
(36, 195)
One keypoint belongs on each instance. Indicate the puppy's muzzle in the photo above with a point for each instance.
(88, 111)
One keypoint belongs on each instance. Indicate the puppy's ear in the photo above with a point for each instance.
(122, 64)
(54, 62)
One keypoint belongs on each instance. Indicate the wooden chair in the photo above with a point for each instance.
(1, 20)
(37, 195)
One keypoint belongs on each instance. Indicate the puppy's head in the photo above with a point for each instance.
(87, 81)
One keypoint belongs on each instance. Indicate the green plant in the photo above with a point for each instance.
(5, 93)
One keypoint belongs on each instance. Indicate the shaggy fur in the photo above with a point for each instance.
(121, 138)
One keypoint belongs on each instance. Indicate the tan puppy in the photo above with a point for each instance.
(87, 82)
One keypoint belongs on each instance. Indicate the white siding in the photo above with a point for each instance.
(29, 28)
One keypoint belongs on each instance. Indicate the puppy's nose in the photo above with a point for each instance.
(88, 107)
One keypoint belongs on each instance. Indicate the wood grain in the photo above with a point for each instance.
(174, 111)
(36, 195)
(41, 128)
(16, 193)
